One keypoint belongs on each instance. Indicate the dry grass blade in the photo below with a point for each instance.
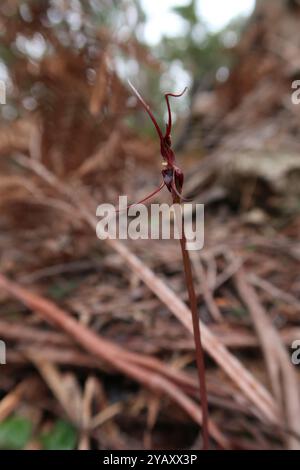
(10, 402)
(283, 378)
(64, 387)
(90, 389)
(206, 291)
(274, 291)
(105, 415)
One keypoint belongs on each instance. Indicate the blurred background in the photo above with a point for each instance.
(73, 136)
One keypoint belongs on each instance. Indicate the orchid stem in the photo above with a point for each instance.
(197, 334)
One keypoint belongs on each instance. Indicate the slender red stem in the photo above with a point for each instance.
(197, 334)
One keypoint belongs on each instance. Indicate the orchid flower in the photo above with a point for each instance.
(172, 175)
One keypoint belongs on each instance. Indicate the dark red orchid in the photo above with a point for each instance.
(173, 180)
(172, 175)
